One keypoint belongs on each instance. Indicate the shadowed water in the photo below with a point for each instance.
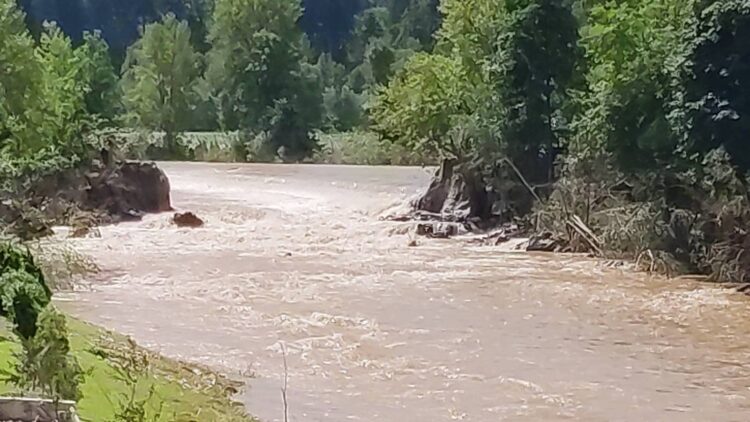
(378, 331)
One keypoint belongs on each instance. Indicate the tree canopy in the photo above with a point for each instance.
(160, 74)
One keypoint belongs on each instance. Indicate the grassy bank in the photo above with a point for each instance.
(182, 392)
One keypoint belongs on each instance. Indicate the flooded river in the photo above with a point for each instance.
(375, 330)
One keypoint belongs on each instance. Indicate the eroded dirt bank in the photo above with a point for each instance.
(377, 330)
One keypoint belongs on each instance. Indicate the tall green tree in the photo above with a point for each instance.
(19, 74)
(529, 73)
(433, 102)
(717, 80)
(159, 78)
(629, 47)
(469, 31)
(423, 103)
(103, 96)
(261, 80)
(59, 119)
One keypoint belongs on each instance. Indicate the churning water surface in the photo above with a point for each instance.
(375, 330)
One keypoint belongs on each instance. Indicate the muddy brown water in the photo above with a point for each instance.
(375, 330)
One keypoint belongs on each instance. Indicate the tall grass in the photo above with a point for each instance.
(355, 148)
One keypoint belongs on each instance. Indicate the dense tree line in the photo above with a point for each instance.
(272, 70)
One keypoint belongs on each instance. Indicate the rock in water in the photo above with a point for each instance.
(129, 190)
(152, 183)
(187, 219)
(544, 242)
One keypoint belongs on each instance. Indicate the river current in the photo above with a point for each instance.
(296, 260)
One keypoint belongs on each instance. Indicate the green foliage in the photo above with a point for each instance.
(529, 74)
(42, 96)
(19, 75)
(257, 71)
(46, 364)
(160, 74)
(60, 117)
(43, 113)
(364, 148)
(256, 53)
(103, 96)
(497, 84)
(469, 32)
(372, 24)
(423, 103)
(23, 291)
(343, 109)
(717, 80)
(629, 47)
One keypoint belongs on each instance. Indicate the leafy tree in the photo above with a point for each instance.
(19, 75)
(343, 108)
(628, 48)
(59, 119)
(23, 290)
(530, 72)
(258, 72)
(420, 20)
(46, 363)
(159, 79)
(371, 24)
(423, 103)
(469, 31)
(717, 80)
(103, 96)
(432, 103)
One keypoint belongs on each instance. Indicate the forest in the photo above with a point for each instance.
(612, 127)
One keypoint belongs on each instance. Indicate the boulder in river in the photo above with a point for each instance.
(187, 219)
(127, 190)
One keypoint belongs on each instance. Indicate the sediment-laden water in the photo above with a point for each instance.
(375, 330)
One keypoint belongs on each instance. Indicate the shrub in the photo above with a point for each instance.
(23, 290)
(46, 364)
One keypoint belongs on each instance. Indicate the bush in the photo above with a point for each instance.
(46, 364)
(366, 148)
(23, 290)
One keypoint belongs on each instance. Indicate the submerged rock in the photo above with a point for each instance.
(440, 230)
(187, 219)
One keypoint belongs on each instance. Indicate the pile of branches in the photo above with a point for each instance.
(689, 221)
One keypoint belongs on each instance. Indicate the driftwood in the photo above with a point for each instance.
(577, 225)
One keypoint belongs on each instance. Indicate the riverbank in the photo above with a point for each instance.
(181, 392)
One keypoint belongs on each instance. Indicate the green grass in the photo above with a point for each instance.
(188, 392)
